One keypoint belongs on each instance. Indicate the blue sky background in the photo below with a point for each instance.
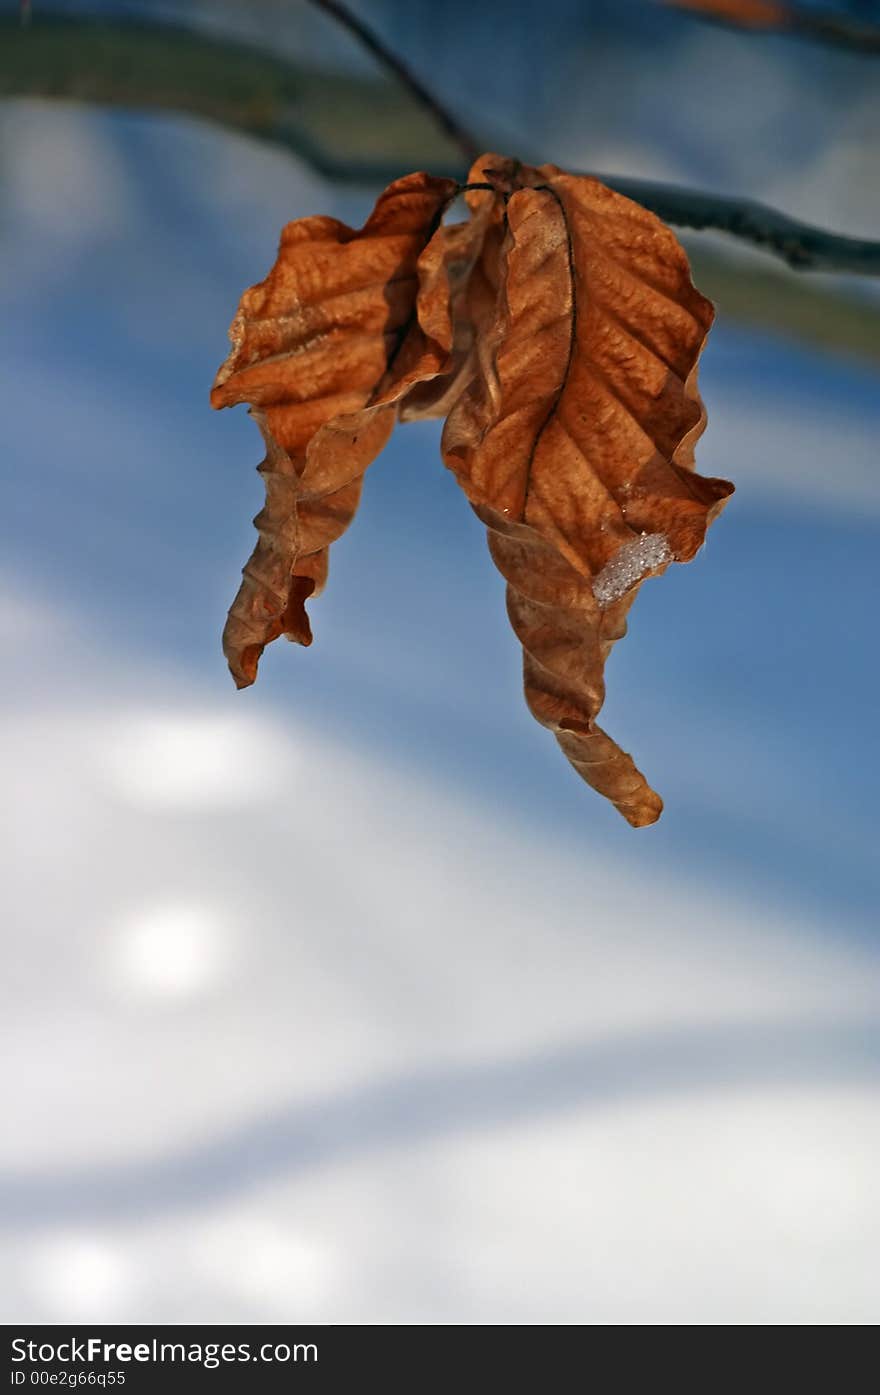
(349, 973)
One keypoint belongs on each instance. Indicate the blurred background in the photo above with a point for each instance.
(342, 999)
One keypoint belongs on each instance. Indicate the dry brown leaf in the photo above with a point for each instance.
(472, 252)
(322, 349)
(574, 441)
(560, 330)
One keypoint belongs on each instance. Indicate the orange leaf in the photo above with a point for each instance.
(343, 326)
(471, 252)
(574, 440)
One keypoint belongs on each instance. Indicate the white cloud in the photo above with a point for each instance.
(78, 1277)
(812, 457)
(63, 155)
(170, 950)
(263, 1260)
(199, 761)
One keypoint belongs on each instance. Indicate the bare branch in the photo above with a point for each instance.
(152, 64)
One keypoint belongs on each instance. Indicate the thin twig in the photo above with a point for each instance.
(772, 17)
(467, 144)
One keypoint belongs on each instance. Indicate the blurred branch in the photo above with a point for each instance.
(767, 297)
(771, 17)
(466, 143)
(154, 65)
(157, 65)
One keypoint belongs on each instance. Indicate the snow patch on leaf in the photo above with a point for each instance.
(634, 560)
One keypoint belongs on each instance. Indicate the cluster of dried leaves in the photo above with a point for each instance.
(557, 329)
